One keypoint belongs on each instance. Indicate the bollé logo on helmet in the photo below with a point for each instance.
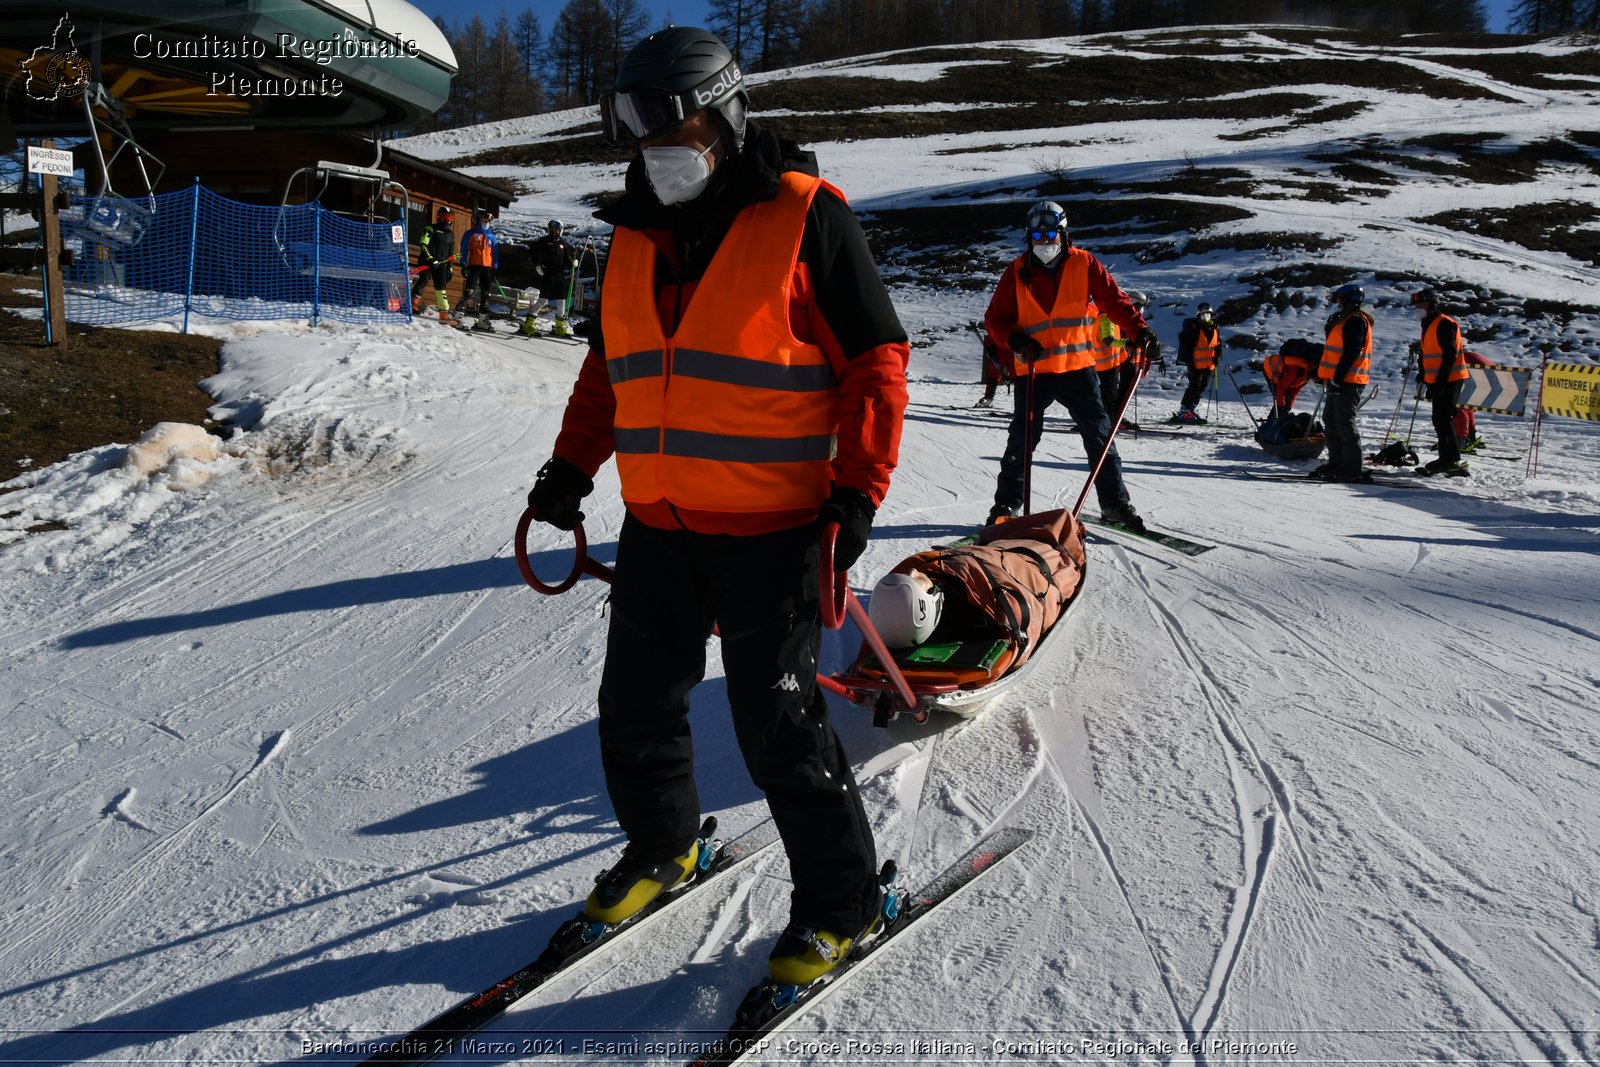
(726, 82)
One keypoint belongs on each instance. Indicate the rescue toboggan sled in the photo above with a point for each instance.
(1006, 593)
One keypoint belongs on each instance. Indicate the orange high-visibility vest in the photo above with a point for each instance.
(1433, 353)
(1205, 352)
(731, 413)
(1333, 352)
(1067, 331)
(1112, 350)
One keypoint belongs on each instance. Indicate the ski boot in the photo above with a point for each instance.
(984, 402)
(483, 325)
(1470, 444)
(1123, 514)
(1189, 416)
(448, 319)
(622, 891)
(803, 956)
(530, 328)
(1453, 468)
(561, 329)
(1000, 513)
(416, 305)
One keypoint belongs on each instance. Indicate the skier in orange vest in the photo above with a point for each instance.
(1043, 317)
(748, 376)
(1442, 370)
(1346, 361)
(1198, 345)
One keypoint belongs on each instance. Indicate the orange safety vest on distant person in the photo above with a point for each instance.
(1205, 351)
(1067, 332)
(732, 413)
(1433, 353)
(1333, 352)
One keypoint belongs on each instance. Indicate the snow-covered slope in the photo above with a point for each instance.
(295, 761)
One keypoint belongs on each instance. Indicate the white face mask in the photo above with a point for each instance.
(1046, 254)
(677, 172)
(1422, 314)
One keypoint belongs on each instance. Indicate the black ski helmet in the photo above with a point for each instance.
(669, 76)
(1350, 295)
(1425, 298)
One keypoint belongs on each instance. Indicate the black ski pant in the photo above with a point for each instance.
(477, 283)
(438, 275)
(1446, 397)
(669, 588)
(1339, 425)
(1079, 392)
(1198, 380)
(1115, 385)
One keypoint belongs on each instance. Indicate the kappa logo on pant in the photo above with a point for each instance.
(787, 683)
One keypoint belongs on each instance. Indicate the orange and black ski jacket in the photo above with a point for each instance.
(1052, 305)
(1347, 351)
(1441, 350)
(766, 364)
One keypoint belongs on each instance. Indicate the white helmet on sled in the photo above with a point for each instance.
(905, 608)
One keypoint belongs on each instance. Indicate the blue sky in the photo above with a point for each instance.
(693, 12)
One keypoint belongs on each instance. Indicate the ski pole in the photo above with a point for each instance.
(1405, 376)
(1027, 444)
(1116, 424)
(1252, 415)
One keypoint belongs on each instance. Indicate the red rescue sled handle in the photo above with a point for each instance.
(837, 600)
(582, 563)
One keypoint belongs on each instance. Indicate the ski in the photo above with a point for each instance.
(574, 940)
(1159, 537)
(769, 1007)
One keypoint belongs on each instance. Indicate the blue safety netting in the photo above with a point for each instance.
(194, 252)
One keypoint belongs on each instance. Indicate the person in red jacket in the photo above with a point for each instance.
(748, 376)
(1043, 317)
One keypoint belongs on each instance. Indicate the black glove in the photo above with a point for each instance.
(1145, 342)
(1028, 349)
(557, 491)
(853, 510)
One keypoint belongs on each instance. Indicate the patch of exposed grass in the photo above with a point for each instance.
(103, 386)
(1566, 226)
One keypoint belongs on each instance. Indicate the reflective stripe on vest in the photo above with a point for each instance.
(1067, 332)
(1205, 352)
(1112, 350)
(1333, 352)
(1433, 353)
(732, 413)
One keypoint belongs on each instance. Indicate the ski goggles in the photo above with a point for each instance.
(645, 114)
(642, 115)
(1044, 235)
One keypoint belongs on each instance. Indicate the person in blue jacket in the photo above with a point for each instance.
(480, 259)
